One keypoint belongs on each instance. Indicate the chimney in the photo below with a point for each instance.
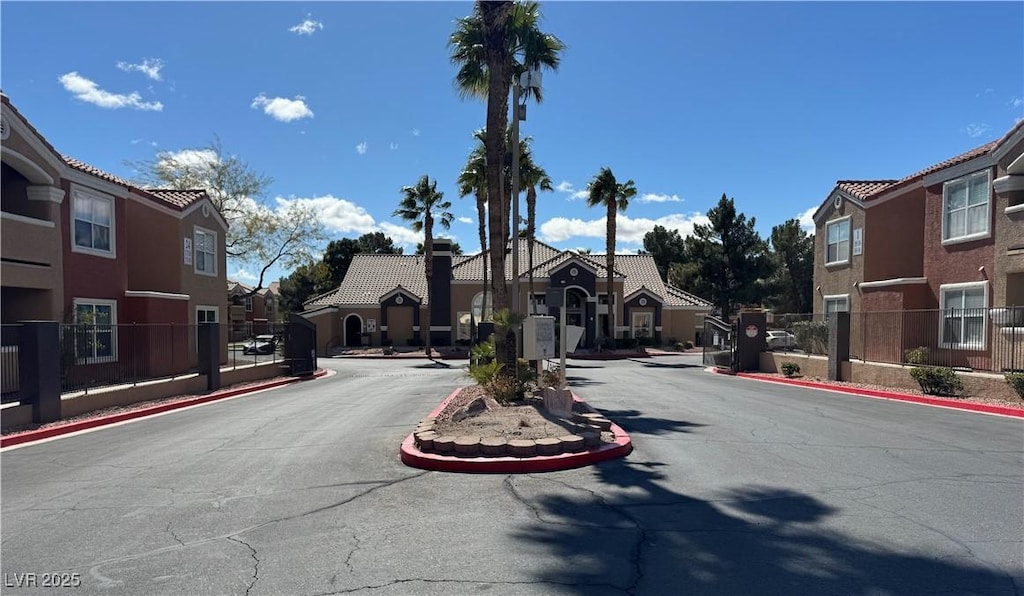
(441, 293)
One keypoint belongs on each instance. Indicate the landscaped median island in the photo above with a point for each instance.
(472, 432)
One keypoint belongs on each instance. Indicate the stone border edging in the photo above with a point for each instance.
(894, 395)
(413, 457)
(54, 431)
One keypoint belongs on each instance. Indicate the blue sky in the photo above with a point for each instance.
(343, 103)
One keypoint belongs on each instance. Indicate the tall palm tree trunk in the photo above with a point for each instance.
(531, 219)
(428, 269)
(481, 213)
(610, 261)
(495, 16)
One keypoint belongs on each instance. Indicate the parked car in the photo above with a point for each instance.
(781, 340)
(262, 344)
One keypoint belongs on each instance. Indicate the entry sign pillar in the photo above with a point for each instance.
(751, 340)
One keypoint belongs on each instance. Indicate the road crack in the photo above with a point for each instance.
(256, 565)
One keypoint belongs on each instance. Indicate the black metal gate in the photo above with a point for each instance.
(719, 343)
(300, 345)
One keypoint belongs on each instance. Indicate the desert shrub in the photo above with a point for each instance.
(687, 345)
(937, 380)
(811, 336)
(790, 369)
(918, 355)
(483, 351)
(484, 373)
(605, 343)
(503, 388)
(1016, 380)
(645, 341)
(551, 377)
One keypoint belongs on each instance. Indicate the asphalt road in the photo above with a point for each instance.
(734, 487)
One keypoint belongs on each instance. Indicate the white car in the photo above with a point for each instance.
(780, 340)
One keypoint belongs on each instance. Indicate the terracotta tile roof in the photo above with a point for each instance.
(471, 267)
(94, 171)
(371, 276)
(180, 199)
(959, 159)
(863, 189)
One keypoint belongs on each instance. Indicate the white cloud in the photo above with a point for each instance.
(1016, 102)
(150, 67)
(574, 195)
(281, 108)
(307, 27)
(627, 230)
(243, 275)
(150, 143)
(361, 148)
(807, 219)
(466, 220)
(564, 186)
(415, 132)
(656, 198)
(89, 92)
(393, 146)
(342, 215)
(988, 91)
(975, 130)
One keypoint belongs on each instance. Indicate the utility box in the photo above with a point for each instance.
(539, 338)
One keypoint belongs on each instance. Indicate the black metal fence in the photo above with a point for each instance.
(718, 343)
(983, 339)
(10, 338)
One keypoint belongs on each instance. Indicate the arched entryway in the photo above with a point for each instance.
(576, 310)
(353, 331)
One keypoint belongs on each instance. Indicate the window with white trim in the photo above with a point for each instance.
(837, 241)
(643, 324)
(248, 304)
(206, 314)
(205, 246)
(966, 204)
(477, 305)
(95, 330)
(834, 304)
(964, 310)
(93, 223)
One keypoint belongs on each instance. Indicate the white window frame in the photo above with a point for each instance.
(248, 304)
(966, 181)
(214, 309)
(848, 222)
(113, 330)
(77, 194)
(835, 298)
(636, 316)
(477, 304)
(944, 289)
(196, 233)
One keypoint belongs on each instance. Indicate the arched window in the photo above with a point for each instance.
(478, 301)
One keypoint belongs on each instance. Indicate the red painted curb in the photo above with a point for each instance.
(892, 395)
(612, 356)
(36, 435)
(413, 457)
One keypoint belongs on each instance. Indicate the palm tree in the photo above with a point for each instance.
(485, 46)
(423, 206)
(605, 190)
(473, 180)
(532, 177)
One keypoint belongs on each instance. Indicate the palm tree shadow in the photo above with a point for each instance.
(633, 421)
(647, 539)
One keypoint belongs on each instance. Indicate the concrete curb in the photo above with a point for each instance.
(894, 395)
(54, 431)
(413, 457)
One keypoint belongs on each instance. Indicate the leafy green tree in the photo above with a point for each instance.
(423, 205)
(338, 257)
(606, 191)
(486, 47)
(665, 247)
(257, 236)
(790, 286)
(307, 281)
(473, 180)
(376, 243)
(724, 260)
(532, 177)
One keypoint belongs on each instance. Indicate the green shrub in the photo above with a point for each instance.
(1016, 380)
(605, 343)
(415, 342)
(790, 369)
(918, 355)
(483, 351)
(626, 343)
(645, 341)
(811, 336)
(503, 389)
(938, 380)
(688, 345)
(551, 377)
(484, 373)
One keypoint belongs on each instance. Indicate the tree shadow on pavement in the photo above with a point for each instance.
(647, 539)
(575, 382)
(633, 421)
(655, 364)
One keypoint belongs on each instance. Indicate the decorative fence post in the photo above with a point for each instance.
(209, 354)
(838, 343)
(39, 369)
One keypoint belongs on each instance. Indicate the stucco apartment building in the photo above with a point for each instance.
(383, 298)
(254, 313)
(948, 238)
(80, 244)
